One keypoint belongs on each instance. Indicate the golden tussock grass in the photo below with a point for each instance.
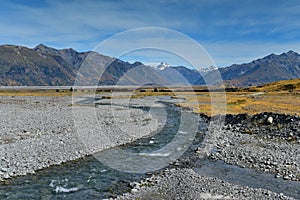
(279, 97)
(54, 93)
(248, 103)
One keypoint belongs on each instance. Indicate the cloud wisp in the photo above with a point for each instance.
(221, 26)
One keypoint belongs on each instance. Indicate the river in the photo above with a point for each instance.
(88, 178)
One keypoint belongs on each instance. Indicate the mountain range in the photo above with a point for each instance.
(261, 71)
(46, 66)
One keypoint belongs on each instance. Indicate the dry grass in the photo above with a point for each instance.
(215, 103)
(250, 103)
(35, 93)
(275, 97)
(285, 85)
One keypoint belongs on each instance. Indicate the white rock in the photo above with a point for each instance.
(134, 190)
(3, 169)
(270, 120)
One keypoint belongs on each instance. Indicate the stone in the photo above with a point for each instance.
(6, 176)
(270, 120)
(3, 169)
(134, 190)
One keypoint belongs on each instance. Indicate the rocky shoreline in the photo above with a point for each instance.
(266, 142)
(187, 184)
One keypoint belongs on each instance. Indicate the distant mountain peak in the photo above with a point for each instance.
(271, 56)
(289, 53)
(162, 66)
(292, 53)
(137, 63)
(41, 46)
(207, 69)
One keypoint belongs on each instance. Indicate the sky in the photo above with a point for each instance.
(230, 31)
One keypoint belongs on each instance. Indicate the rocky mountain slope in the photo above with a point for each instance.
(261, 71)
(44, 65)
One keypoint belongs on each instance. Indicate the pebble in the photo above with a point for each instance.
(134, 190)
(270, 120)
(3, 169)
(6, 176)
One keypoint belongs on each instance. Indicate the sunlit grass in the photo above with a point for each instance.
(247, 103)
(35, 93)
(268, 98)
(215, 103)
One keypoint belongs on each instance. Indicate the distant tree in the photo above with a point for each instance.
(155, 90)
(71, 89)
(57, 90)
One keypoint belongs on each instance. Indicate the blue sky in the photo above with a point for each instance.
(231, 31)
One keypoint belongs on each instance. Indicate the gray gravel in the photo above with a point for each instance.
(267, 150)
(187, 184)
(37, 132)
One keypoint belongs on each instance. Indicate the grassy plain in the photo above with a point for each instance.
(24, 92)
(278, 97)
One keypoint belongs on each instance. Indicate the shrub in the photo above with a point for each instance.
(288, 87)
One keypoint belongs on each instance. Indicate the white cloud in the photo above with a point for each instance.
(232, 32)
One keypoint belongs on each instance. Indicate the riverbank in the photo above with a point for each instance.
(265, 142)
(37, 132)
(187, 184)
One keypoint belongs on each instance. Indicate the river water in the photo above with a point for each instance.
(88, 178)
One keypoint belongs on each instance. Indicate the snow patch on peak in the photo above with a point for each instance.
(162, 66)
(207, 69)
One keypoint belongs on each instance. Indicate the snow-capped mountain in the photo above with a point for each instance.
(178, 74)
(44, 65)
(207, 70)
(162, 66)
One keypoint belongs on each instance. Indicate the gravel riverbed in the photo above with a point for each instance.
(266, 142)
(36, 132)
(187, 184)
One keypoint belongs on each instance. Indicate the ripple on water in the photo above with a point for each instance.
(60, 189)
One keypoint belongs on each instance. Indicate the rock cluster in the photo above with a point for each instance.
(266, 125)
